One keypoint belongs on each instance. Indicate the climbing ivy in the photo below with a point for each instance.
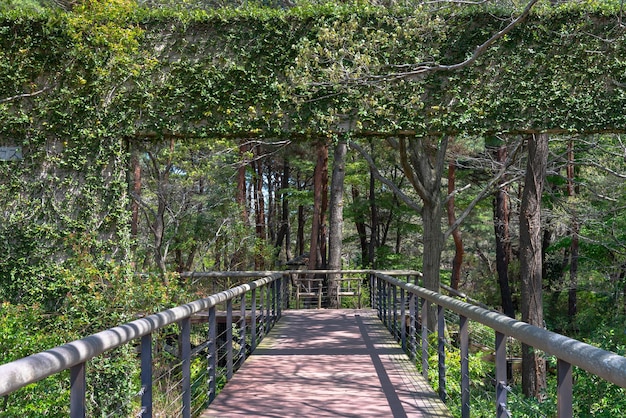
(80, 87)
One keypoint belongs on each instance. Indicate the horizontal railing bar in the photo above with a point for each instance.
(227, 274)
(22, 372)
(609, 366)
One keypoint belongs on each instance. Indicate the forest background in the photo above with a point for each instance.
(153, 138)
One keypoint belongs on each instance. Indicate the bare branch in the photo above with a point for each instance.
(456, 191)
(486, 190)
(427, 67)
(24, 95)
(368, 158)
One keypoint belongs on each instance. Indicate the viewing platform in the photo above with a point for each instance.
(328, 363)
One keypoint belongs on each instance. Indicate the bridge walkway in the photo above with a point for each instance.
(327, 363)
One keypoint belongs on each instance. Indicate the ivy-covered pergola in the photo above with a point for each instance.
(298, 72)
(79, 88)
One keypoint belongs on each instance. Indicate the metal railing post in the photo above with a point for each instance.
(501, 386)
(146, 376)
(242, 332)
(425, 339)
(412, 328)
(261, 316)
(253, 320)
(268, 307)
(379, 294)
(372, 281)
(272, 291)
(564, 389)
(78, 388)
(394, 318)
(320, 292)
(389, 306)
(441, 349)
(212, 355)
(465, 380)
(229, 339)
(185, 354)
(403, 318)
(279, 302)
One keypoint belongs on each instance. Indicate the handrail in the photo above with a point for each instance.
(31, 369)
(604, 364)
(383, 296)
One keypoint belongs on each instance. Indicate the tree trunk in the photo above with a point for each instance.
(335, 236)
(573, 269)
(284, 234)
(374, 223)
(134, 225)
(301, 221)
(300, 231)
(533, 364)
(259, 205)
(456, 234)
(315, 256)
(359, 221)
(503, 242)
(241, 183)
(323, 243)
(270, 190)
(433, 244)
(423, 162)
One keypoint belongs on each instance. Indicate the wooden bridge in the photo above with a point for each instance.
(328, 363)
(318, 363)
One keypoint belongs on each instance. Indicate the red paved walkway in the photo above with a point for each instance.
(327, 363)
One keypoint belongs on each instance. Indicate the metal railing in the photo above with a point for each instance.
(310, 288)
(268, 291)
(391, 297)
(250, 310)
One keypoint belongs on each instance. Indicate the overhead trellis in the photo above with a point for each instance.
(288, 74)
(301, 71)
(77, 88)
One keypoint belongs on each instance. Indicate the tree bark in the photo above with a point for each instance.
(533, 364)
(374, 223)
(158, 223)
(359, 221)
(456, 234)
(572, 309)
(423, 162)
(335, 236)
(323, 243)
(301, 220)
(134, 225)
(315, 256)
(241, 183)
(270, 190)
(300, 231)
(259, 206)
(503, 242)
(284, 234)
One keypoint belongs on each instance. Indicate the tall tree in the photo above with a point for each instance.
(533, 363)
(241, 180)
(574, 247)
(335, 221)
(136, 189)
(423, 161)
(456, 234)
(316, 258)
(503, 242)
(284, 232)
